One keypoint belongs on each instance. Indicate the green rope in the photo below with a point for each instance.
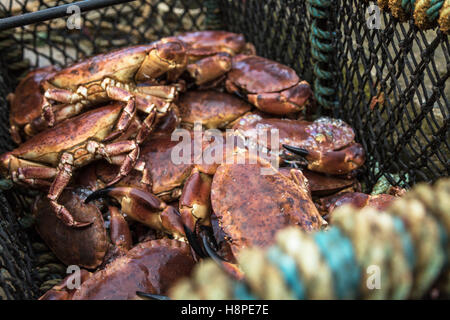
(322, 51)
(427, 13)
(408, 5)
(213, 20)
(433, 11)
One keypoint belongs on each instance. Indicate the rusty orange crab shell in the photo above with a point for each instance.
(212, 109)
(216, 40)
(357, 199)
(128, 64)
(210, 52)
(151, 267)
(330, 143)
(85, 247)
(270, 86)
(269, 203)
(25, 103)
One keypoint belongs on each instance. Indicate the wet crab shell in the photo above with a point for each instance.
(26, 100)
(359, 200)
(270, 86)
(85, 247)
(251, 206)
(217, 40)
(255, 74)
(330, 142)
(151, 267)
(212, 109)
(46, 146)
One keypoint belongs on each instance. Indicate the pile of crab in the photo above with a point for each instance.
(99, 138)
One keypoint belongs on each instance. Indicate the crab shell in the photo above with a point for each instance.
(216, 41)
(322, 185)
(251, 207)
(85, 247)
(47, 146)
(330, 142)
(212, 109)
(359, 200)
(124, 65)
(270, 86)
(25, 102)
(151, 267)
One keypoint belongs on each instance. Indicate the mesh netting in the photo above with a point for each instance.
(116, 26)
(390, 84)
(394, 86)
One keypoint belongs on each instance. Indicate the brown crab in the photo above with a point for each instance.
(270, 86)
(215, 41)
(270, 202)
(322, 185)
(50, 157)
(25, 104)
(143, 193)
(210, 53)
(357, 199)
(151, 267)
(329, 143)
(212, 109)
(116, 76)
(86, 247)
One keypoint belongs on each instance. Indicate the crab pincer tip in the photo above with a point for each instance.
(193, 242)
(98, 195)
(296, 150)
(228, 267)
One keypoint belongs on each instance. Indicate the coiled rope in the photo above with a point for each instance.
(427, 13)
(322, 51)
(366, 254)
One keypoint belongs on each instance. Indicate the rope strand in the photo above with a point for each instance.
(407, 247)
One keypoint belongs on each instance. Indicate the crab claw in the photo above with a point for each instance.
(144, 207)
(194, 242)
(340, 161)
(150, 296)
(299, 151)
(230, 268)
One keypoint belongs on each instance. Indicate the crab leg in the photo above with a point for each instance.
(134, 99)
(62, 96)
(36, 173)
(130, 147)
(128, 112)
(62, 179)
(144, 207)
(66, 166)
